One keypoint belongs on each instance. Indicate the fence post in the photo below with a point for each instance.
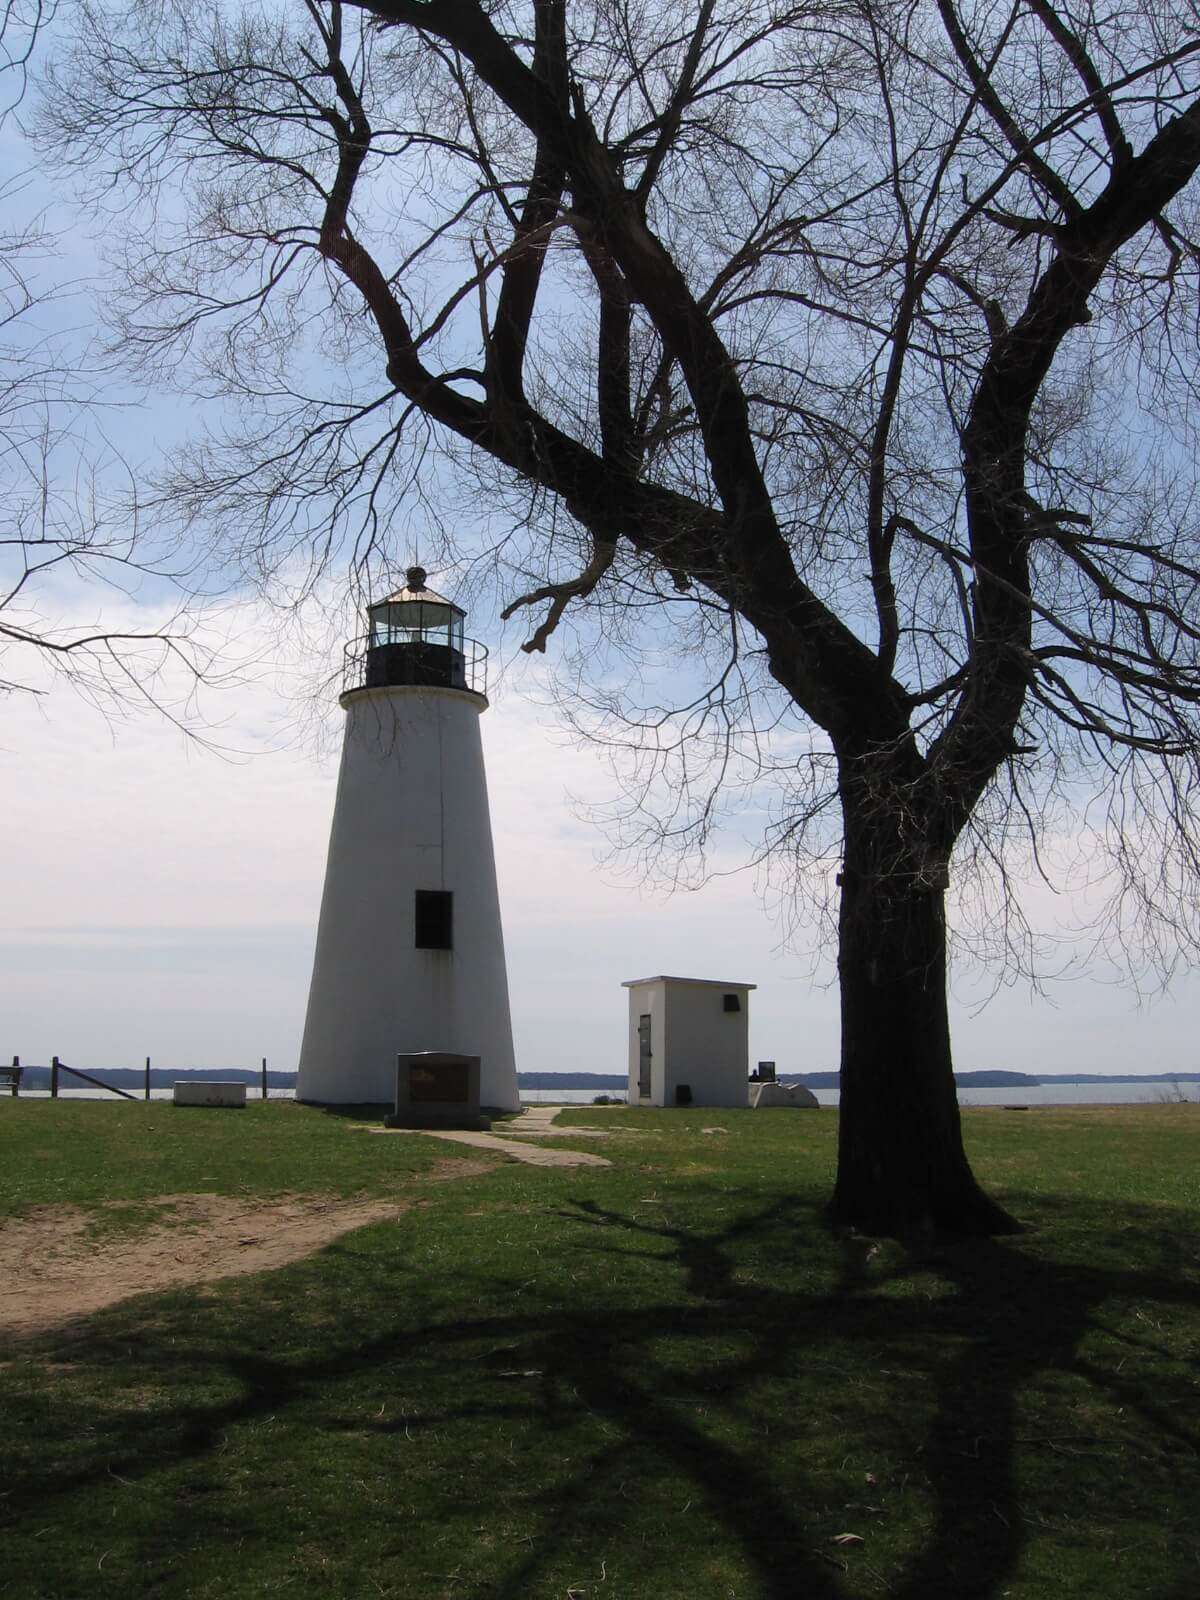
(264, 1077)
(54, 1077)
(147, 1077)
(17, 1079)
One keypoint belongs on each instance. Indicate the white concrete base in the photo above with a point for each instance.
(210, 1094)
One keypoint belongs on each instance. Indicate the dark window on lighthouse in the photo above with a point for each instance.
(434, 919)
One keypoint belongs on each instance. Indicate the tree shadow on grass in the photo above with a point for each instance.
(686, 1354)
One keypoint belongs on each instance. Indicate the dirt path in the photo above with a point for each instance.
(53, 1271)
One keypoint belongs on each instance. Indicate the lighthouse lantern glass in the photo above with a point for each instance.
(416, 622)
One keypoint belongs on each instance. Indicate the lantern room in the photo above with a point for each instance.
(416, 639)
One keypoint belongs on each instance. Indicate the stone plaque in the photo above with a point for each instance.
(437, 1089)
(440, 1082)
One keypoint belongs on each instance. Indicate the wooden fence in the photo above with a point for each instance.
(10, 1078)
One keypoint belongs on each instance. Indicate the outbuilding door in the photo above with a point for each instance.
(644, 1057)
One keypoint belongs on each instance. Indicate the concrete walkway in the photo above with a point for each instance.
(535, 1120)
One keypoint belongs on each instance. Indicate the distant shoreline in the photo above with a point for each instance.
(133, 1079)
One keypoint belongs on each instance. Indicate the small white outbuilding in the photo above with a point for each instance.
(689, 1041)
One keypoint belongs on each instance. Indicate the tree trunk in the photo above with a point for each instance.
(901, 1163)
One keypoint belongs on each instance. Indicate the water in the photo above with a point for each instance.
(569, 1097)
(1058, 1094)
(577, 1097)
(252, 1093)
(1078, 1094)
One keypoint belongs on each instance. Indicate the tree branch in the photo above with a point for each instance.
(561, 594)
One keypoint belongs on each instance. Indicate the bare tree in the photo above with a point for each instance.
(852, 341)
(70, 534)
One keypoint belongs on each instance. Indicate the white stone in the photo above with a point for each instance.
(763, 1095)
(411, 813)
(210, 1094)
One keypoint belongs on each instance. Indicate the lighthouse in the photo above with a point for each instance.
(410, 952)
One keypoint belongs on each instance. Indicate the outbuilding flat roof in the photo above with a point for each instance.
(706, 983)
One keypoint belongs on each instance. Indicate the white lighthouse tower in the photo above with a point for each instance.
(410, 953)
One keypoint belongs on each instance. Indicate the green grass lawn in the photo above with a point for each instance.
(665, 1378)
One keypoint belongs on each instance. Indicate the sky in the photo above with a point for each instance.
(161, 898)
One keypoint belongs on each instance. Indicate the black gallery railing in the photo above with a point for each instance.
(414, 663)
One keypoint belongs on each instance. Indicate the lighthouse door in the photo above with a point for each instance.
(644, 1057)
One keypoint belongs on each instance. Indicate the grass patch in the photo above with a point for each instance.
(93, 1153)
(665, 1378)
